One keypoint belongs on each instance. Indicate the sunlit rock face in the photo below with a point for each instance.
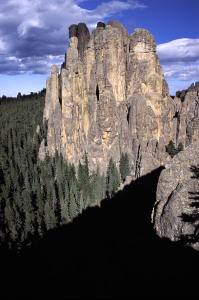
(111, 97)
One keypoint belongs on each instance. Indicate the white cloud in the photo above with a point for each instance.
(33, 36)
(109, 8)
(180, 61)
(181, 72)
(24, 27)
(180, 50)
(2, 46)
(32, 29)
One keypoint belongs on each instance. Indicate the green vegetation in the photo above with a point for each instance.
(36, 196)
(172, 150)
(124, 166)
(112, 178)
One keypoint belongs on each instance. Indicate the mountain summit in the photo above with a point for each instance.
(111, 97)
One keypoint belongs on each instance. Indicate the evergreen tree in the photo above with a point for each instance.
(50, 217)
(84, 180)
(127, 165)
(171, 149)
(112, 178)
(116, 179)
(71, 175)
(81, 204)
(73, 200)
(180, 147)
(124, 166)
(96, 186)
(80, 175)
(103, 187)
(65, 205)
(11, 225)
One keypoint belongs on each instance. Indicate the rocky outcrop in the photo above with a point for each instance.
(111, 97)
(53, 114)
(187, 113)
(177, 191)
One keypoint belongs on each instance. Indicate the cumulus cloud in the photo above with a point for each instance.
(34, 34)
(180, 50)
(180, 61)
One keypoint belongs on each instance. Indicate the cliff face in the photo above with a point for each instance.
(111, 97)
(175, 213)
(188, 114)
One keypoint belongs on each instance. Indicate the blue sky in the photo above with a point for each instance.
(34, 35)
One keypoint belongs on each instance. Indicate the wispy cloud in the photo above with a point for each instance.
(31, 33)
(110, 8)
(181, 72)
(180, 61)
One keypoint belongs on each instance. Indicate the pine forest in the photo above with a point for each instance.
(35, 195)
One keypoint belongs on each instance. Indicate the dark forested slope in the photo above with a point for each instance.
(109, 250)
(36, 195)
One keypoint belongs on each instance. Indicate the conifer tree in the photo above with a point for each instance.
(65, 205)
(103, 187)
(10, 218)
(81, 204)
(124, 166)
(116, 179)
(73, 207)
(112, 178)
(50, 217)
(171, 149)
(96, 186)
(80, 174)
(180, 147)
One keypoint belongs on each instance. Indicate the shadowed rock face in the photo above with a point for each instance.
(73, 31)
(188, 119)
(83, 36)
(101, 24)
(174, 215)
(111, 97)
(81, 32)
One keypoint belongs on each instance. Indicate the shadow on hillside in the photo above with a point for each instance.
(107, 252)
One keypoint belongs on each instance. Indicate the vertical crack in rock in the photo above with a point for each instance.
(97, 92)
(128, 115)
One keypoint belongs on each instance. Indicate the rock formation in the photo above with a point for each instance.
(177, 190)
(111, 97)
(187, 114)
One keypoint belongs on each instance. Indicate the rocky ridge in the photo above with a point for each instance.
(111, 97)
